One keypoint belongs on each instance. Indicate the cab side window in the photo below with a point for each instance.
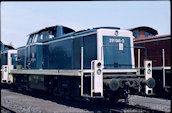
(51, 35)
(35, 38)
(48, 35)
(29, 40)
(39, 37)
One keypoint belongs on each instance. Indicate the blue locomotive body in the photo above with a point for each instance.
(21, 56)
(63, 52)
(89, 63)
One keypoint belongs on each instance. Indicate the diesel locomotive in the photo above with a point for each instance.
(92, 63)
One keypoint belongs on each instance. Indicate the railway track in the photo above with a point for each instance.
(5, 109)
(93, 106)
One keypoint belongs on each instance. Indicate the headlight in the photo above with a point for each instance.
(99, 71)
(149, 64)
(5, 69)
(149, 71)
(98, 65)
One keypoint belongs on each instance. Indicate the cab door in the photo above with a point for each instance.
(27, 53)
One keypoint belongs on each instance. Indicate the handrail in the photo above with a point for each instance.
(82, 85)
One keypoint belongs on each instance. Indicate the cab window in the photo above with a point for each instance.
(29, 40)
(39, 37)
(35, 37)
(50, 35)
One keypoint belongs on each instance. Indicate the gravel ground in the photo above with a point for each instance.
(154, 103)
(28, 104)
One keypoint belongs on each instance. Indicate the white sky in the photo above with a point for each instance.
(19, 19)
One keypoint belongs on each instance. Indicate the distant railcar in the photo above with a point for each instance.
(158, 50)
(93, 63)
(3, 49)
(8, 62)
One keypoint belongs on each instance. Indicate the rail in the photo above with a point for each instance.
(5, 109)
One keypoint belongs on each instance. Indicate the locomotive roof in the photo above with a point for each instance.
(6, 46)
(50, 28)
(106, 28)
(81, 31)
(94, 29)
(71, 33)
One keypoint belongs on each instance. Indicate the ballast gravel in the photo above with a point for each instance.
(28, 104)
(153, 103)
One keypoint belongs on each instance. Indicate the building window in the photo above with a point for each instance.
(136, 33)
(148, 34)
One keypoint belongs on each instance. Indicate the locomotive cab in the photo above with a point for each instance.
(34, 54)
